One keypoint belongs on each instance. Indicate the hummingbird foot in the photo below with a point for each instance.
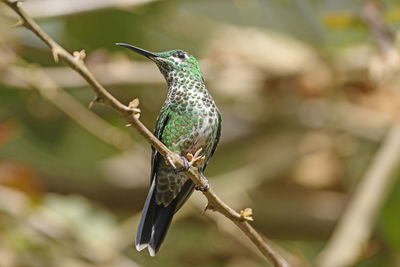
(189, 160)
(185, 167)
(204, 188)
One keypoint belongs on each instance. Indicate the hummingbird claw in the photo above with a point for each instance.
(186, 165)
(204, 188)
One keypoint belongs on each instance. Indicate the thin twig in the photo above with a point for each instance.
(213, 201)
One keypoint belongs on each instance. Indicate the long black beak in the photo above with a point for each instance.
(138, 50)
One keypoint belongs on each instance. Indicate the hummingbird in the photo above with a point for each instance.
(189, 124)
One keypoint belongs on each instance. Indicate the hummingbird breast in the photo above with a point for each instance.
(192, 124)
(192, 121)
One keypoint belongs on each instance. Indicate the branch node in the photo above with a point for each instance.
(133, 107)
(247, 214)
(136, 114)
(134, 103)
(15, 2)
(210, 207)
(79, 56)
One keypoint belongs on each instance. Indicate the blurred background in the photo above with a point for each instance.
(307, 91)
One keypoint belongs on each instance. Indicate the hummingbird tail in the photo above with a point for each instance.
(154, 223)
(156, 219)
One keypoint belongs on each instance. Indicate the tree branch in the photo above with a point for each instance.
(106, 98)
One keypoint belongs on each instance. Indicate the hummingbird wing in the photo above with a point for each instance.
(162, 120)
(217, 136)
(156, 218)
(216, 140)
(188, 186)
(151, 211)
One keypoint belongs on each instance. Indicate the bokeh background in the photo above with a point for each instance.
(307, 91)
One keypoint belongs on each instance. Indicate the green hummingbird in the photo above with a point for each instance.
(189, 124)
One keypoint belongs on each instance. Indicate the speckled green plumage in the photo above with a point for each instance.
(189, 120)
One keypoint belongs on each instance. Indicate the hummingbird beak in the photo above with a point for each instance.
(139, 50)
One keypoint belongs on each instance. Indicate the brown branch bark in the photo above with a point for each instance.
(106, 98)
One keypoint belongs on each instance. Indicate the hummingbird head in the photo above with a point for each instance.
(175, 65)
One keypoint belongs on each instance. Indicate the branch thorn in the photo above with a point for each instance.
(95, 100)
(169, 159)
(55, 51)
(19, 23)
(207, 207)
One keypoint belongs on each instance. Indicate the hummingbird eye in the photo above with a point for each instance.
(180, 54)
